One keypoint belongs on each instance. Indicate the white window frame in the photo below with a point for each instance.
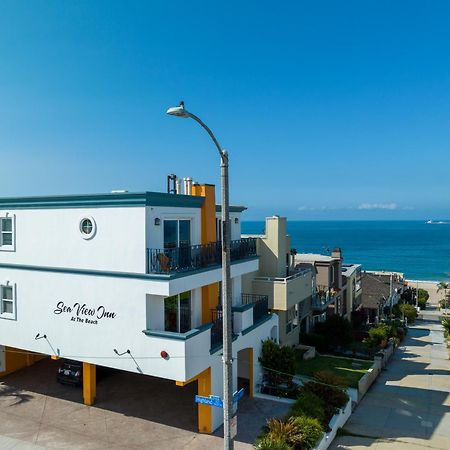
(8, 247)
(5, 315)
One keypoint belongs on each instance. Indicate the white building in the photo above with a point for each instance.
(131, 274)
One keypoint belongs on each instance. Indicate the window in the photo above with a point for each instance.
(6, 233)
(177, 233)
(88, 227)
(177, 313)
(7, 302)
(291, 319)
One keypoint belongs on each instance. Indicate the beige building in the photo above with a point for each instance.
(328, 295)
(288, 288)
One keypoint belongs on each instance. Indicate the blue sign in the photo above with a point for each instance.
(238, 395)
(212, 400)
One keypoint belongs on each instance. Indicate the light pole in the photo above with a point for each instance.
(227, 358)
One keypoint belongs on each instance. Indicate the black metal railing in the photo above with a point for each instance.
(260, 305)
(217, 328)
(195, 257)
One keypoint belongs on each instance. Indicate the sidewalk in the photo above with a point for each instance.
(408, 407)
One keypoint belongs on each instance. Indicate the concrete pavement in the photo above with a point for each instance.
(408, 407)
(132, 411)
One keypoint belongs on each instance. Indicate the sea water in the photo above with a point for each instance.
(419, 250)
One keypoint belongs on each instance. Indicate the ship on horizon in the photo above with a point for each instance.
(437, 222)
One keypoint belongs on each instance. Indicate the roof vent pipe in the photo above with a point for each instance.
(187, 185)
(178, 186)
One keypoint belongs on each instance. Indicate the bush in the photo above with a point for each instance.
(409, 312)
(300, 433)
(446, 325)
(311, 432)
(278, 362)
(378, 336)
(327, 377)
(266, 442)
(422, 302)
(330, 395)
(308, 404)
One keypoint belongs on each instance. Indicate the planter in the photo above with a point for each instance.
(336, 422)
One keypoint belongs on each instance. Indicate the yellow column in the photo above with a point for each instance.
(89, 383)
(204, 389)
(250, 371)
(210, 293)
(204, 411)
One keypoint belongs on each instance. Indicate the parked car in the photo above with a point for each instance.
(70, 372)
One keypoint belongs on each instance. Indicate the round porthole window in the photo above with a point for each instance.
(87, 228)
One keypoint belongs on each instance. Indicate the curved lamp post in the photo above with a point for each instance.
(180, 111)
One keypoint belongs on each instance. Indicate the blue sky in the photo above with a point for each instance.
(329, 109)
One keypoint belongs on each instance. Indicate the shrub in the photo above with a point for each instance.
(327, 377)
(300, 433)
(378, 336)
(446, 325)
(278, 361)
(266, 442)
(422, 302)
(330, 395)
(310, 432)
(308, 404)
(409, 312)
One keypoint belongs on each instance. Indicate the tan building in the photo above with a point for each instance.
(288, 288)
(328, 296)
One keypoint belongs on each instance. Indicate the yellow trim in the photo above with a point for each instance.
(16, 359)
(89, 383)
(210, 293)
(204, 412)
(250, 372)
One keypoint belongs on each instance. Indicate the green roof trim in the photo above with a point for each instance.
(242, 308)
(178, 336)
(257, 324)
(126, 199)
(114, 274)
(233, 209)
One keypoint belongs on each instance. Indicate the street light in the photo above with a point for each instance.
(227, 358)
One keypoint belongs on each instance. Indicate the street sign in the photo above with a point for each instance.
(212, 400)
(238, 395)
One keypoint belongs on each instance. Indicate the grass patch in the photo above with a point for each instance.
(348, 369)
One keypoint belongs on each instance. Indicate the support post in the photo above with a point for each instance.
(89, 383)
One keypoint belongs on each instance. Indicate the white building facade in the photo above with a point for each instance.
(129, 281)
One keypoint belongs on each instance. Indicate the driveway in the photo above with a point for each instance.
(408, 407)
(132, 411)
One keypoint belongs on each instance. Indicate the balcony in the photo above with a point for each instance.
(322, 299)
(195, 257)
(260, 305)
(284, 293)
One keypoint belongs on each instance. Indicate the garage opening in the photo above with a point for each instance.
(245, 370)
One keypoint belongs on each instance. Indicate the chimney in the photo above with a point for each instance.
(336, 253)
(187, 182)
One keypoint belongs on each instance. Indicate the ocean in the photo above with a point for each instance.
(421, 251)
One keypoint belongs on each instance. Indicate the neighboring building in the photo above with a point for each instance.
(132, 274)
(351, 283)
(327, 271)
(289, 290)
(380, 291)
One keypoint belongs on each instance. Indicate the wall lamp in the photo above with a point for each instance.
(123, 353)
(157, 221)
(236, 220)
